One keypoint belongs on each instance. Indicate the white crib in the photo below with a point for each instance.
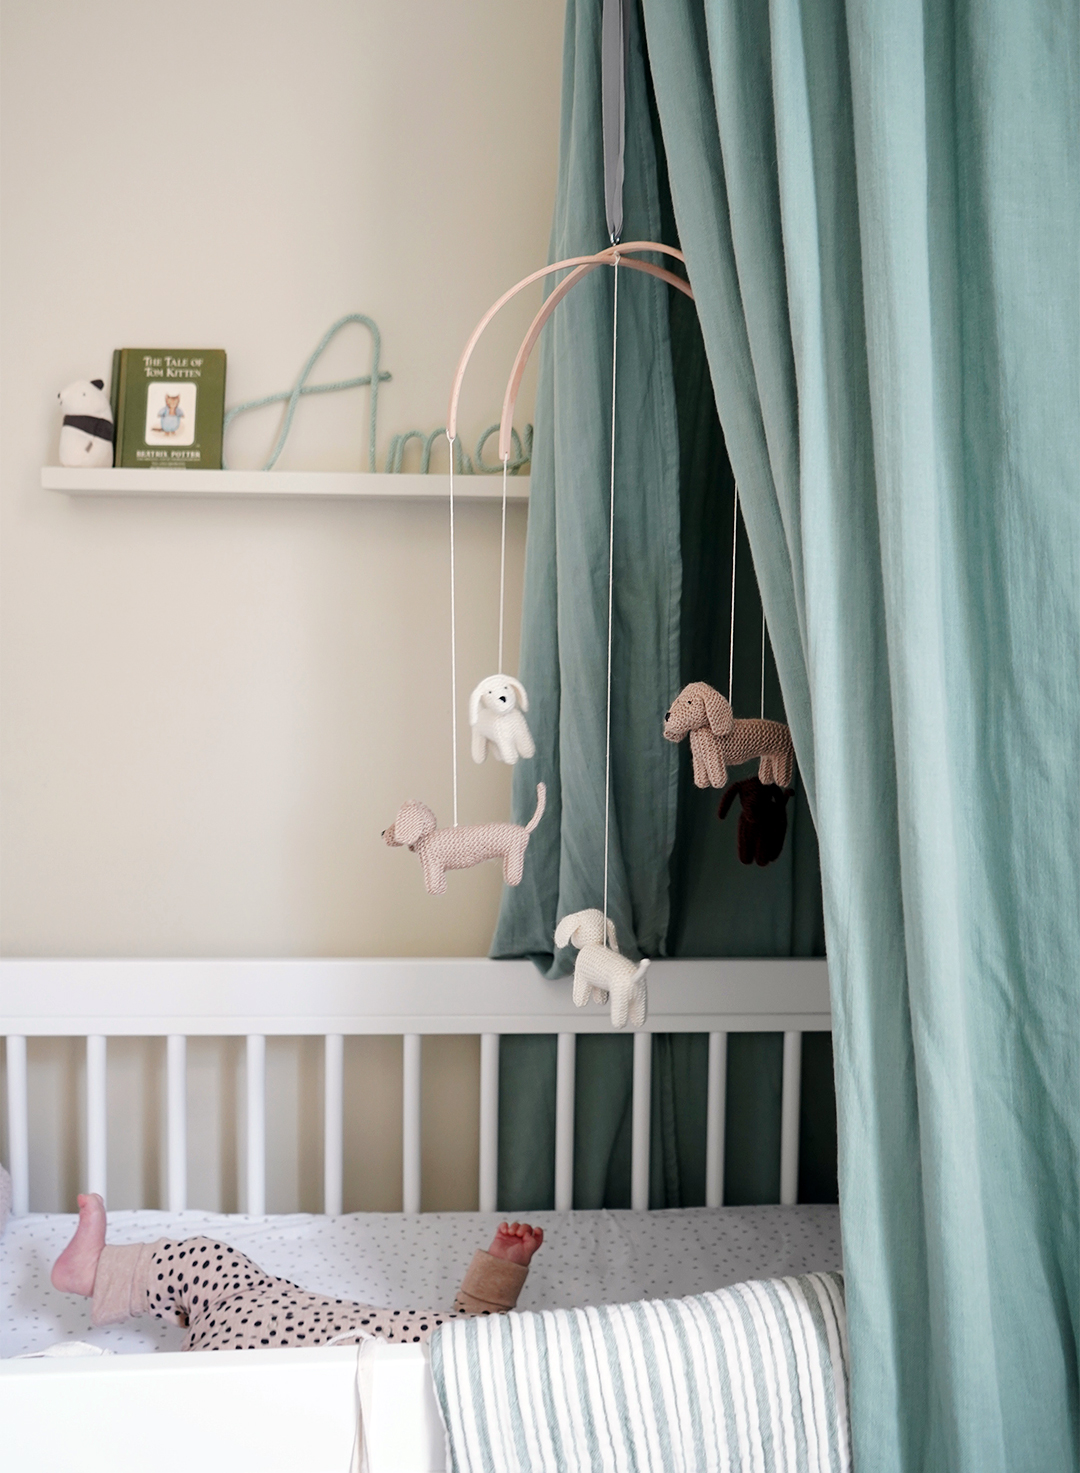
(278, 1410)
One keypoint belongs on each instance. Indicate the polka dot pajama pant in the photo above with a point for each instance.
(226, 1302)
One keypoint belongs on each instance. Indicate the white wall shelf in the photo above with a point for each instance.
(347, 485)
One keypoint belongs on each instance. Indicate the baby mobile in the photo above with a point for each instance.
(498, 704)
(497, 709)
(496, 715)
(719, 740)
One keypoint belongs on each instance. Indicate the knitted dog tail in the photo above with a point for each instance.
(541, 801)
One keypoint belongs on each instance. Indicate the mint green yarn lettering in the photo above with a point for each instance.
(302, 387)
(519, 458)
(463, 464)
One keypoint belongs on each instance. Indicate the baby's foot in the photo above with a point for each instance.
(516, 1242)
(76, 1268)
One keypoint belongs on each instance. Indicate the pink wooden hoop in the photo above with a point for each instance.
(584, 265)
(517, 372)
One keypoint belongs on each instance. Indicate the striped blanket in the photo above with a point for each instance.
(750, 1379)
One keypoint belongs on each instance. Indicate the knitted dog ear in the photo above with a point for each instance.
(474, 700)
(522, 698)
(719, 714)
(413, 821)
(565, 929)
(612, 939)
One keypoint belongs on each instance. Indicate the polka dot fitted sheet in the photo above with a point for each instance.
(387, 1259)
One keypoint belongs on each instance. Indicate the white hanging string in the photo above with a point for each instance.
(453, 638)
(610, 590)
(763, 664)
(731, 649)
(502, 563)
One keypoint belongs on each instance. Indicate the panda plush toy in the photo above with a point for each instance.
(86, 435)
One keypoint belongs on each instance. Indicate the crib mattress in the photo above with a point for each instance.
(417, 1261)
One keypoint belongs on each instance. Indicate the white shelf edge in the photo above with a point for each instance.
(348, 485)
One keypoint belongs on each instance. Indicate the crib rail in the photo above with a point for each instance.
(409, 997)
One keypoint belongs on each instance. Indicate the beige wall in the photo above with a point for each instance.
(210, 711)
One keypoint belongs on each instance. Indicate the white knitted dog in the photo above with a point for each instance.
(495, 708)
(600, 971)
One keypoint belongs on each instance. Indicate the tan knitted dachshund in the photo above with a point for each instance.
(464, 845)
(719, 741)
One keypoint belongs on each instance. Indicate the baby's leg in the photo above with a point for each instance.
(223, 1299)
(180, 1282)
(76, 1268)
(491, 1285)
(495, 1278)
(226, 1302)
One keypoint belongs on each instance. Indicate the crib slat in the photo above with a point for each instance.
(715, 1111)
(96, 1113)
(18, 1124)
(176, 1119)
(256, 1124)
(489, 1121)
(566, 1060)
(789, 1120)
(333, 1123)
(641, 1117)
(410, 1122)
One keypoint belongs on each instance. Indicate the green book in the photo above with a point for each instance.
(169, 407)
(114, 395)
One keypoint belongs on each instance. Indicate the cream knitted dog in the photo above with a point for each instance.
(719, 741)
(600, 971)
(464, 845)
(495, 708)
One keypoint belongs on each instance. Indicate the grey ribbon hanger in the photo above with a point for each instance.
(613, 108)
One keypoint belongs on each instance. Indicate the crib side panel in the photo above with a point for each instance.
(247, 1412)
(419, 997)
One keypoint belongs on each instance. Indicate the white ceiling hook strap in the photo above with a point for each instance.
(613, 40)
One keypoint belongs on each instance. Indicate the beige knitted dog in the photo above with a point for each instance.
(464, 845)
(719, 741)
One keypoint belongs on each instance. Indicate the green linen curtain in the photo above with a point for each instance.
(878, 202)
(564, 634)
(677, 887)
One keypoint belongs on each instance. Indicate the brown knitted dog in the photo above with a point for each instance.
(719, 741)
(464, 845)
(762, 821)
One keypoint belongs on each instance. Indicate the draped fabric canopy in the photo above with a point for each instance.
(564, 635)
(676, 886)
(879, 207)
(672, 553)
(878, 203)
